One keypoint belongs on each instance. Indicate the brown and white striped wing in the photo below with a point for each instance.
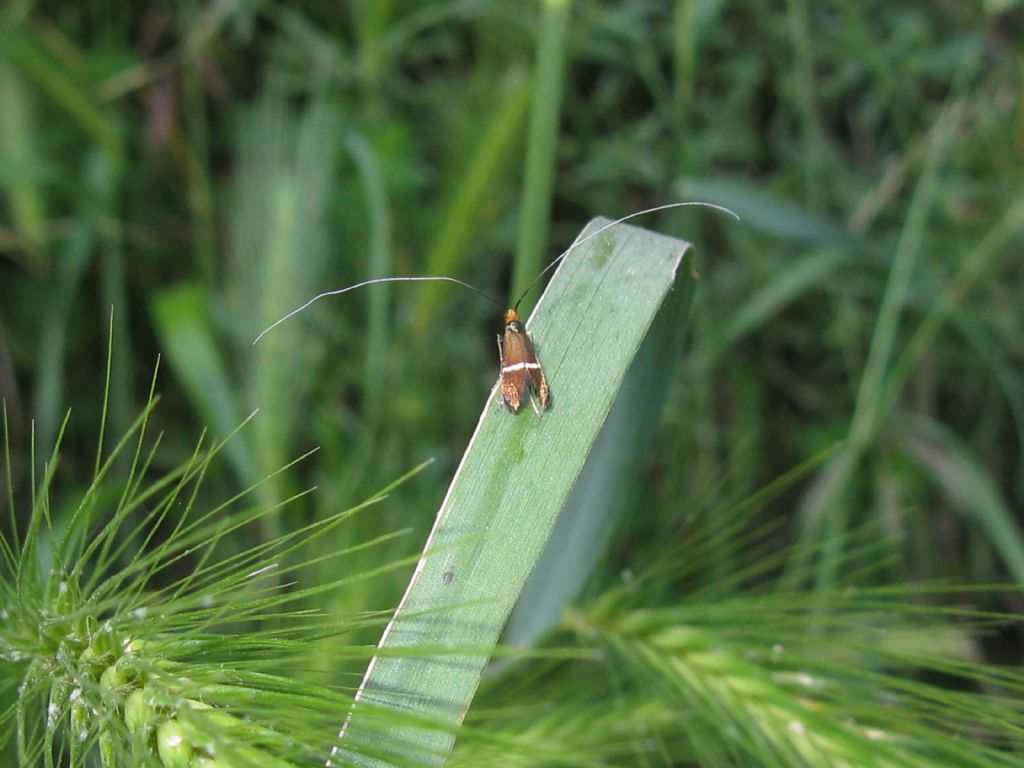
(521, 371)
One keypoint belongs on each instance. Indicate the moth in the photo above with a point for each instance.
(522, 375)
(521, 371)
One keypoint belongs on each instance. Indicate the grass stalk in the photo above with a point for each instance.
(822, 510)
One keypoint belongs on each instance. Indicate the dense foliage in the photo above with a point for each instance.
(174, 177)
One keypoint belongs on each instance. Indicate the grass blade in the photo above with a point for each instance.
(503, 502)
(968, 486)
(472, 194)
(22, 183)
(604, 487)
(542, 146)
(180, 317)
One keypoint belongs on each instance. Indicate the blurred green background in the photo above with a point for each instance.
(188, 172)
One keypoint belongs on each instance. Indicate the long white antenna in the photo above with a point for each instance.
(633, 215)
(473, 288)
(376, 280)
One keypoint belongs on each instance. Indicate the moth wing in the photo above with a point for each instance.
(515, 350)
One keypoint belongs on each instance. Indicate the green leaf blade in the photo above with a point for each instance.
(508, 491)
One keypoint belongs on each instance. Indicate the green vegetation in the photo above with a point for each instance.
(796, 539)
